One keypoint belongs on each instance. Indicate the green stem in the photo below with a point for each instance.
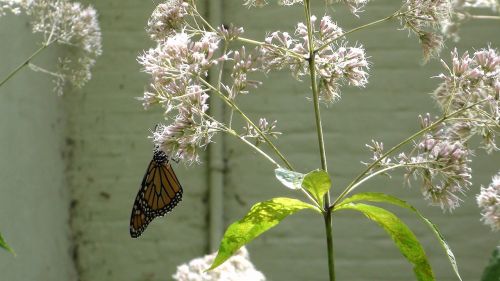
(254, 147)
(321, 142)
(329, 243)
(419, 164)
(259, 43)
(230, 131)
(481, 17)
(314, 86)
(394, 15)
(247, 119)
(25, 63)
(354, 184)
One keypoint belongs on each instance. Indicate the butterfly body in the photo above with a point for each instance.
(160, 192)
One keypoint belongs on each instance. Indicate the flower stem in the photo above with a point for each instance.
(394, 15)
(484, 17)
(247, 119)
(382, 171)
(254, 147)
(230, 131)
(259, 43)
(321, 142)
(25, 63)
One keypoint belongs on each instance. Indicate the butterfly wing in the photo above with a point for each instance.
(160, 192)
(139, 220)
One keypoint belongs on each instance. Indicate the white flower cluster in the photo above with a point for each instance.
(167, 18)
(444, 170)
(262, 3)
(425, 18)
(236, 268)
(354, 5)
(489, 202)
(174, 65)
(179, 59)
(290, 2)
(244, 63)
(335, 63)
(13, 6)
(66, 23)
(471, 79)
(190, 130)
(178, 66)
(469, 97)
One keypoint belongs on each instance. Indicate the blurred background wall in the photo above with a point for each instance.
(77, 161)
(34, 191)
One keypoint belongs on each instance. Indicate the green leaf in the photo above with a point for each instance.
(317, 183)
(404, 238)
(385, 198)
(4, 245)
(492, 271)
(290, 179)
(262, 217)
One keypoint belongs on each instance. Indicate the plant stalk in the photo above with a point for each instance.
(25, 63)
(394, 15)
(329, 243)
(321, 142)
(484, 17)
(215, 155)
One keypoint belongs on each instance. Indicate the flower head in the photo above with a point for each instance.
(180, 58)
(336, 63)
(354, 6)
(444, 170)
(425, 18)
(190, 131)
(489, 202)
(167, 18)
(262, 3)
(236, 268)
(473, 80)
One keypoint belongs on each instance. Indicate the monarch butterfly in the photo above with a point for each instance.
(160, 192)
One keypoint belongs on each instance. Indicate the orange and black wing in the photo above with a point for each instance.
(139, 220)
(160, 192)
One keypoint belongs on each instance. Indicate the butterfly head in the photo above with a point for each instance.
(159, 156)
